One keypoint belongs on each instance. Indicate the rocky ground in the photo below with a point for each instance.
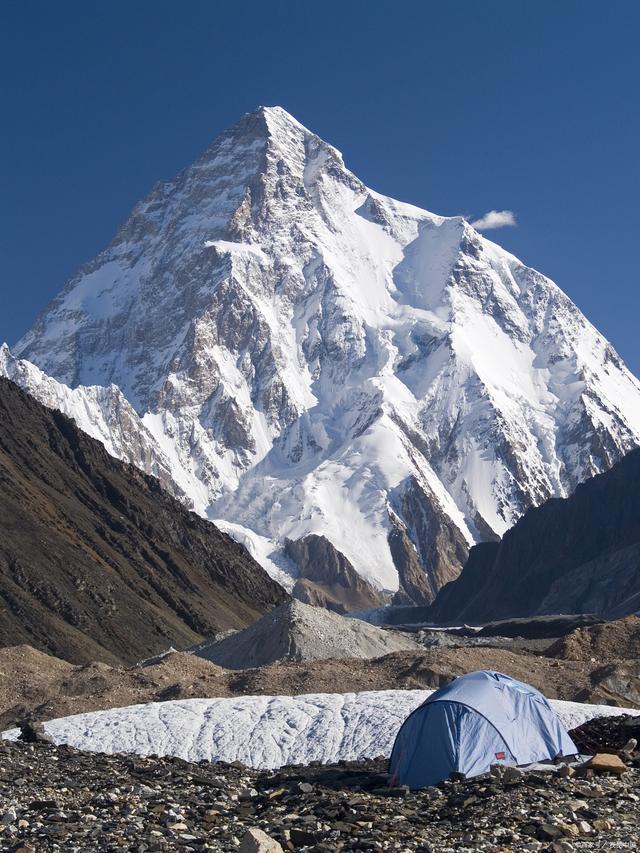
(59, 799)
(32, 683)
(606, 642)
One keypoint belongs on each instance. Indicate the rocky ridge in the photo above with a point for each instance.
(300, 632)
(326, 578)
(100, 412)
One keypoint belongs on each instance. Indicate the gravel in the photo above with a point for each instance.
(59, 799)
(300, 632)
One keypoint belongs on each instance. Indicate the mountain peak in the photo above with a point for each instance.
(263, 123)
(275, 120)
(275, 133)
(279, 116)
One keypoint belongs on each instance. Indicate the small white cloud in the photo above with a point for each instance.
(495, 219)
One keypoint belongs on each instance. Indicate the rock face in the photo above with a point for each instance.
(315, 358)
(97, 561)
(426, 547)
(327, 579)
(578, 555)
(298, 632)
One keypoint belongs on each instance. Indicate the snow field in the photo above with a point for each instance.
(265, 732)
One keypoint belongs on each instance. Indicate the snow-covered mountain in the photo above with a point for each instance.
(310, 356)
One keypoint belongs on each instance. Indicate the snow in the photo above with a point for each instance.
(265, 731)
(300, 349)
(276, 564)
(246, 249)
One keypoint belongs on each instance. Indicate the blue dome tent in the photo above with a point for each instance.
(477, 720)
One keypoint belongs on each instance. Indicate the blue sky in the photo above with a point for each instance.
(463, 107)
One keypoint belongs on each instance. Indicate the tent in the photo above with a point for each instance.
(477, 720)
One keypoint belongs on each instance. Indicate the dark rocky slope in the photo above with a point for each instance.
(96, 560)
(575, 555)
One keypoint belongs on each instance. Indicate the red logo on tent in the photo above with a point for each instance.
(501, 755)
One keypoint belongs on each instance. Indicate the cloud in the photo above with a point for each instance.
(495, 219)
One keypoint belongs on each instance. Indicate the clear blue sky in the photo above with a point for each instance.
(460, 107)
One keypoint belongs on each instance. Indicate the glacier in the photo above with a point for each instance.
(265, 732)
(295, 353)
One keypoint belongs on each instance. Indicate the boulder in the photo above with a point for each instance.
(604, 762)
(257, 841)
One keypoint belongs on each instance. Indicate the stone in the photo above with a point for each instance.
(551, 831)
(566, 771)
(562, 847)
(512, 775)
(302, 837)
(247, 794)
(257, 841)
(604, 762)
(43, 805)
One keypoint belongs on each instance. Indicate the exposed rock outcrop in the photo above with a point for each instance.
(327, 578)
(435, 551)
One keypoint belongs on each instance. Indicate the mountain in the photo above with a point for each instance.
(575, 555)
(312, 358)
(97, 561)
